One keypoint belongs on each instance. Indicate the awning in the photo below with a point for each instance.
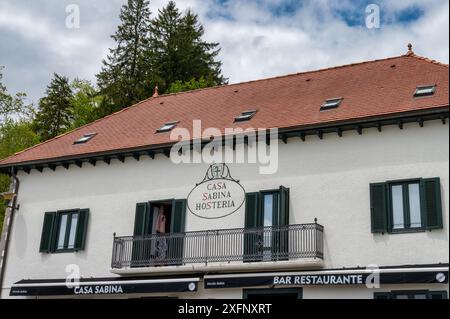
(341, 277)
(103, 286)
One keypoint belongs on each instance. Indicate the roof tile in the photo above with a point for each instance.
(369, 89)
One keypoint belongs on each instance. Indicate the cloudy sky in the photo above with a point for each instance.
(259, 38)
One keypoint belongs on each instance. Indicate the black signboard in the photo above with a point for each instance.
(328, 279)
(102, 288)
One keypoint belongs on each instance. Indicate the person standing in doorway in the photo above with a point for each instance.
(161, 242)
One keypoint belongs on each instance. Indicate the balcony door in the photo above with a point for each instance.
(267, 220)
(158, 229)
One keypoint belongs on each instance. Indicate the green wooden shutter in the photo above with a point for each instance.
(431, 203)
(140, 253)
(48, 230)
(141, 219)
(82, 224)
(178, 216)
(252, 210)
(280, 239)
(253, 251)
(379, 207)
(177, 226)
(284, 207)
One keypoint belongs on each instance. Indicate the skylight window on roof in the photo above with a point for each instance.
(85, 138)
(167, 127)
(245, 116)
(331, 104)
(425, 90)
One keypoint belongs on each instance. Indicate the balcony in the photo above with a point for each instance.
(226, 248)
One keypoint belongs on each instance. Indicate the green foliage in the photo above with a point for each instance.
(193, 84)
(67, 106)
(15, 137)
(12, 107)
(85, 103)
(55, 110)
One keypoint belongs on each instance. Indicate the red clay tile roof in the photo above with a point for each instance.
(374, 88)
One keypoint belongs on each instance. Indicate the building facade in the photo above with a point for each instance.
(357, 207)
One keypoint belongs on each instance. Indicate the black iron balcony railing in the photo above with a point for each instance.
(279, 243)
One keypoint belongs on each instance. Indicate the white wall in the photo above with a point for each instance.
(329, 179)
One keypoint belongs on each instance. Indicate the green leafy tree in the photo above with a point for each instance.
(86, 103)
(178, 52)
(122, 79)
(15, 137)
(193, 84)
(12, 107)
(55, 110)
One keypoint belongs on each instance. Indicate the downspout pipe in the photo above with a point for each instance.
(7, 226)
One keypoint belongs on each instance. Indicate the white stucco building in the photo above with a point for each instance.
(360, 194)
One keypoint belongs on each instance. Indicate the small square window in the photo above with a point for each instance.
(331, 104)
(245, 116)
(85, 138)
(167, 127)
(425, 90)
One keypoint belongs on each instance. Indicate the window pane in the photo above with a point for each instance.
(268, 222)
(401, 297)
(414, 205)
(397, 207)
(420, 296)
(73, 230)
(62, 231)
(268, 210)
(166, 127)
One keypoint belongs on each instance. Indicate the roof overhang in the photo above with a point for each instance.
(399, 119)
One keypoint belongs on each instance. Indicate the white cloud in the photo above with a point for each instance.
(315, 38)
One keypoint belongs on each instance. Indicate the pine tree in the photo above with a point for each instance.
(122, 79)
(55, 110)
(177, 51)
(200, 56)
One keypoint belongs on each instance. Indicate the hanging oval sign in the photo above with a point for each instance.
(217, 196)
